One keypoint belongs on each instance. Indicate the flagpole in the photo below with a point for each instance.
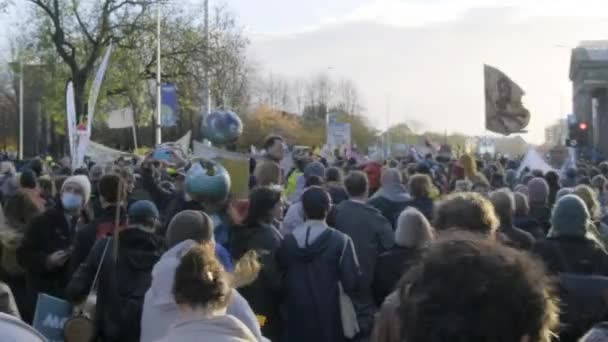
(206, 90)
(158, 80)
(21, 107)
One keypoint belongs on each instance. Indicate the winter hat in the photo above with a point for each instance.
(143, 209)
(413, 229)
(189, 225)
(538, 191)
(82, 182)
(521, 189)
(570, 217)
(563, 192)
(314, 169)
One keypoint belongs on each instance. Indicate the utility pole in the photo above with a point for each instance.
(206, 90)
(21, 107)
(158, 136)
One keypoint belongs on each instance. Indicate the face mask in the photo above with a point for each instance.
(71, 201)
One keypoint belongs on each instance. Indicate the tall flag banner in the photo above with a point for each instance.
(94, 93)
(168, 109)
(505, 113)
(70, 105)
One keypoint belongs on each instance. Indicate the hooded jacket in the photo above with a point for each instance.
(122, 283)
(390, 200)
(217, 329)
(160, 310)
(314, 259)
(372, 235)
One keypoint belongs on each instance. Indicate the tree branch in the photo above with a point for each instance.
(83, 27)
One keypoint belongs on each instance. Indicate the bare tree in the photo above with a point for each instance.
(80, 30)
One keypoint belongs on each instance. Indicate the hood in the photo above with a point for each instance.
(163, 274)
(393, 192)
(139, 248)
(218, 328)
(318, 241)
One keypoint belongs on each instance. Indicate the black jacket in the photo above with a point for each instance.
(388, 208)
(577, 255)
(122, 284)
(530, 225)
(177, 205)
(312, 273)
(542, 215)
(263, 294)
(337, 192)
(517, 238)
(46, 234)
(392, 265)
(101, 226)
(425, 205)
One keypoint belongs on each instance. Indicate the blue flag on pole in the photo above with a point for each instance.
(168, 109)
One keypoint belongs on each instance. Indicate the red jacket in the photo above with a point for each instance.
(374, 173)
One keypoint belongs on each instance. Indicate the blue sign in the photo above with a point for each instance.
(168, 108)
(50, 316)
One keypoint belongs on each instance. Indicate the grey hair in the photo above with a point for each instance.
(413, 229)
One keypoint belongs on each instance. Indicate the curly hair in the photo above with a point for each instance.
(200, 280)
(468, 211)
(495, 284)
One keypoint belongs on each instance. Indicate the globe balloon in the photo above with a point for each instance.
(222, 127)
(207, 181)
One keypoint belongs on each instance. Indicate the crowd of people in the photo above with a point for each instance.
(415, 249)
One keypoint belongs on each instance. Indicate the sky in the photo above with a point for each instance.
(423, 59)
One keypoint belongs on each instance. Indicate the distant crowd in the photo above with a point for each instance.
(416, 249)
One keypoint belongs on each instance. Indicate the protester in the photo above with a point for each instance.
(563, 192)
(420, 187)
(295, 214)
(538, 196)
(335, 186)
(504, 286)
(95, 175)
(522, 218)
(570, 247)
(202, 292)
(569, 181)
(160, 310)
(589, 196)
(504, 206)
(47, 245)
(316, 259)
(372, 235)
(268, 170)
(413, 234)
(125, 274)
(466, 211)
(552, 179)
(111, 194)
(373, 171)
(29, 187)
(600, 185)
(392, 196)
(258, 233)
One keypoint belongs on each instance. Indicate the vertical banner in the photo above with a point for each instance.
(70, 105)
(338, 136)
(94, 93)
(168, 109)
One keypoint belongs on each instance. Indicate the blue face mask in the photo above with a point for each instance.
(71, 201)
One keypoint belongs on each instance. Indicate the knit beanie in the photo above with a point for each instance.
(82, 182)
(570, 217)
(538, 191)
(189, 225)
(314, 169)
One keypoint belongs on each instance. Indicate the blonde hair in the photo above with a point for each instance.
(413, 229)
(589, 196)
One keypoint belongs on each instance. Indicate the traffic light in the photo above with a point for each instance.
(578, 134)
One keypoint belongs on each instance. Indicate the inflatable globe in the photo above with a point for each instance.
(222, 127)
(207, 181)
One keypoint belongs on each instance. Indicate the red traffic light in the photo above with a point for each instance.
(582, 126)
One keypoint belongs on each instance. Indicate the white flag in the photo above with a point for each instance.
(121, 118)
(96, 86)
(71, 119)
